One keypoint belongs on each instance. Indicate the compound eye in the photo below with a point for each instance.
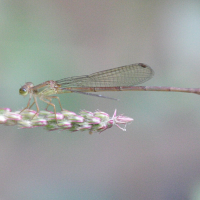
(23, 91)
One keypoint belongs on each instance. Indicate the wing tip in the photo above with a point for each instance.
(143, 65)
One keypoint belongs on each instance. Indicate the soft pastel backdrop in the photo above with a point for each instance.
(158, 156)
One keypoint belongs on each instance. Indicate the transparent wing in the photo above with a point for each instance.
(127, 75)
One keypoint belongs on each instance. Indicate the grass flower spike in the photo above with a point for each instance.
(66, 120)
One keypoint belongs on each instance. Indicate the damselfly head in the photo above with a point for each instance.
(25, 89)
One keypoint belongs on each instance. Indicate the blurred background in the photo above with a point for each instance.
(158, 156)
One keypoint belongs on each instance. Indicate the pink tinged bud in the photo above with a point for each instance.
(94, 120)
(3, 119)
(45, 112)
(110, 123)
(76, 118)
(65, 124)
(67, 113)
(50, 116)
(25, 124)
(13, 116)
(102, 115)
(6, 116)
(121, 120)
(85, 126)
(39, 122)
(86, 114)
(3, 110)
(53, 117)
(72, 116)
(29, 114)
(107, 126)
(101, 127)
(59, 116)
(89, 117)
(80, 126)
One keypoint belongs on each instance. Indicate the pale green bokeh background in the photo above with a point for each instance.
(158, 156)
